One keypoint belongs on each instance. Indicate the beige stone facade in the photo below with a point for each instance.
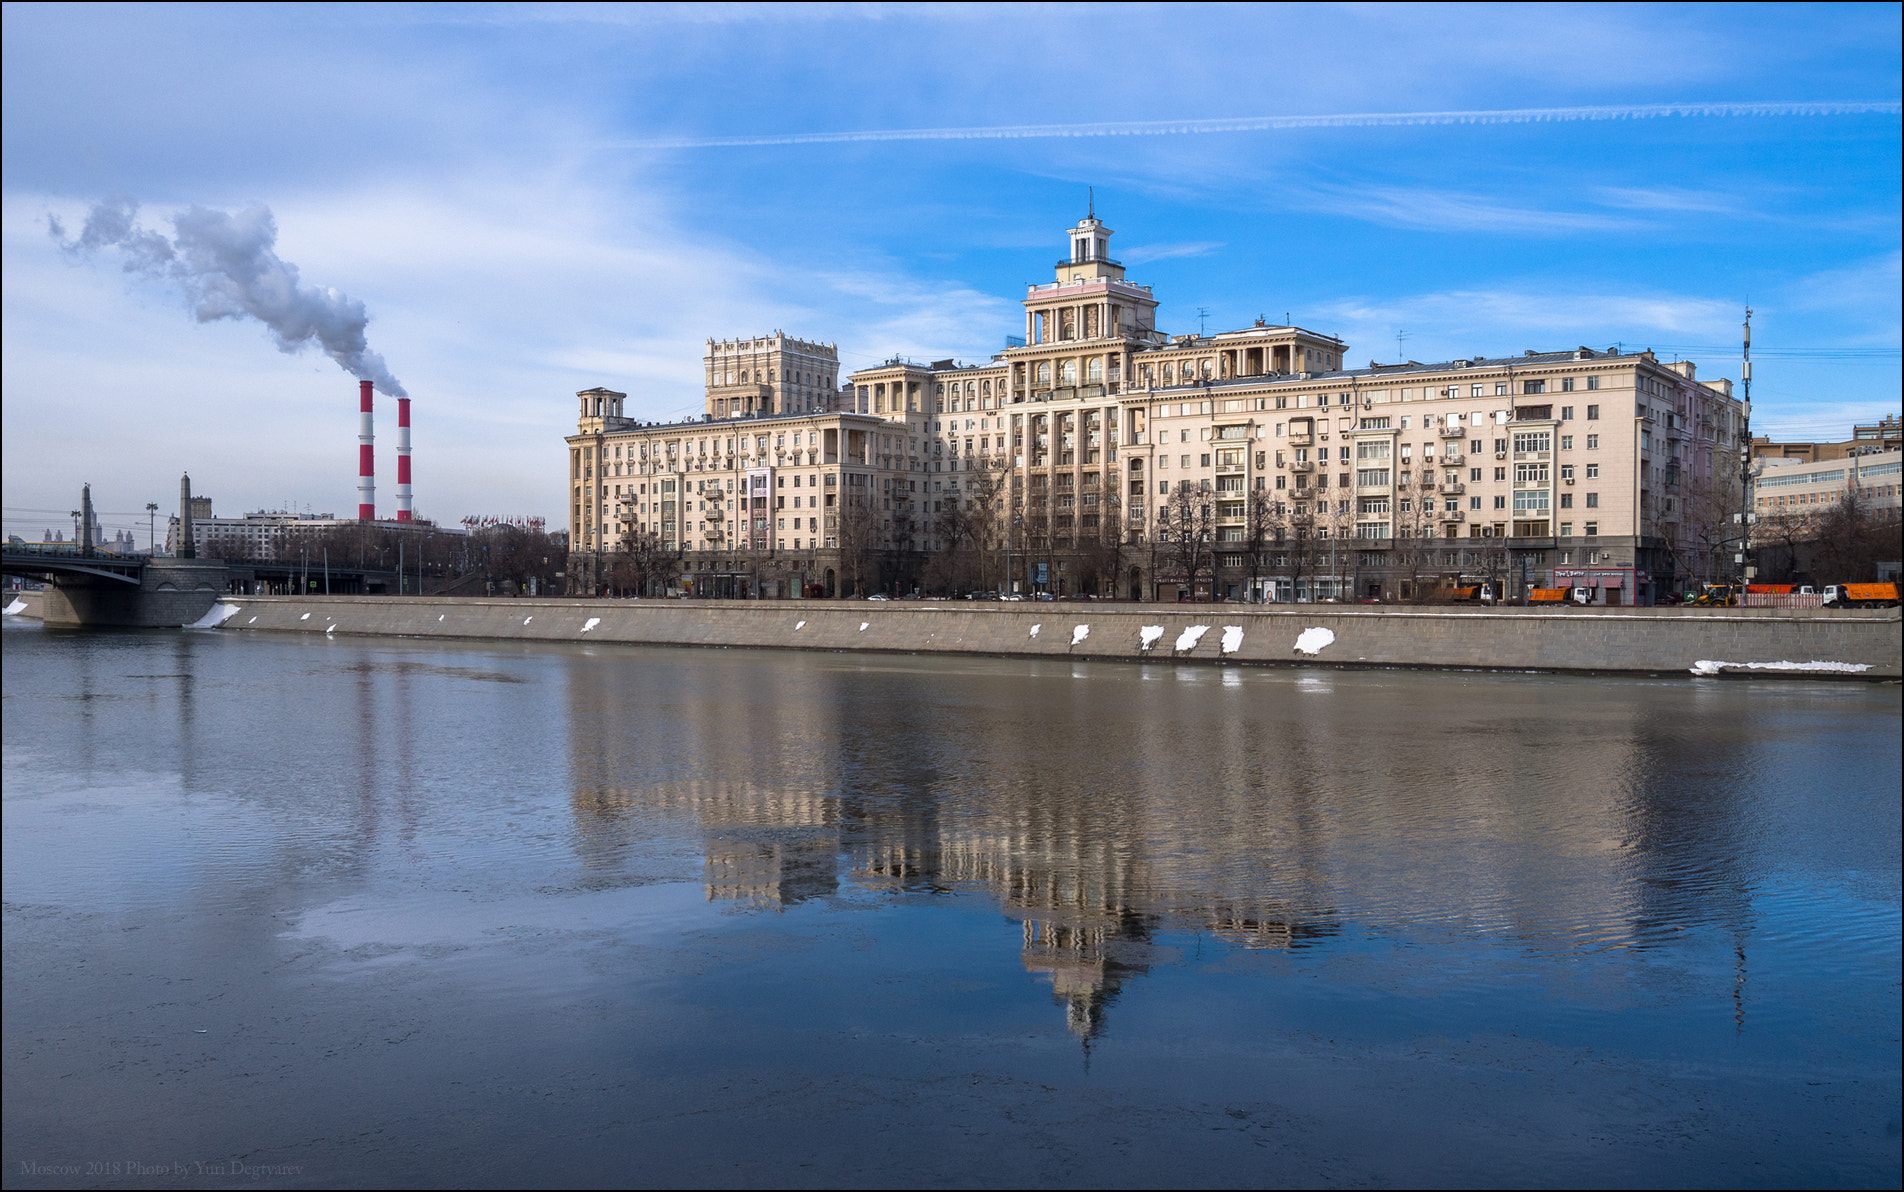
(1057, 463)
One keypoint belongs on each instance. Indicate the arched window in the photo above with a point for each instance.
(1044, 372)
(1067, 372)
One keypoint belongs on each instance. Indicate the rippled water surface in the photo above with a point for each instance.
(349, 912)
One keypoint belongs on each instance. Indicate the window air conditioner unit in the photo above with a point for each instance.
(1569, 480)
(1500, 455)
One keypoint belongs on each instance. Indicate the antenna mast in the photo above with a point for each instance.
(1745, 571)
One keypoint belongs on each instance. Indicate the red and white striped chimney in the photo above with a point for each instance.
(366, 459)
(403, 459)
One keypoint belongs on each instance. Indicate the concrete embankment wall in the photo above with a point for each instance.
(1629, 640)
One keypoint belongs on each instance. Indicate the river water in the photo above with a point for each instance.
(357, 912)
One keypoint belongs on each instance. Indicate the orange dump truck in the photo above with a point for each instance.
(1861, 595)
(1547, 595)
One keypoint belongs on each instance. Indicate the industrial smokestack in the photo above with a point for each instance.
(366, 458)
(403, 459)
(187, 549)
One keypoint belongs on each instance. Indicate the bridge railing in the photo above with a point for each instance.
(68, 550)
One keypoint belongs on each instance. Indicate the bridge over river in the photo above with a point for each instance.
(89, 586)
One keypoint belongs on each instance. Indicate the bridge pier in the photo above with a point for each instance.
(170, 593)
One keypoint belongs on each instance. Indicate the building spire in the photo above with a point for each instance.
(1091, 202)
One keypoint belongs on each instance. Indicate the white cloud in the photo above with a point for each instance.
(1450, 211)
(1139, 254)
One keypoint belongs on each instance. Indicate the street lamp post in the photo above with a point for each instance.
(151, 527)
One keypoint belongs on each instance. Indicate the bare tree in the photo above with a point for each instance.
(1413, 551)
(643, 562)
(1708, 523)
(1264, 537)
(1185, 534)
(1783, 547)
(1851, 537)
(855, 531)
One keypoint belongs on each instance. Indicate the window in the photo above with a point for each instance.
(1566, 500)
(1566, 386)
(1593, 383)
(1533, 440)
(1566, 412)
(1593, 471)
(1531, 501)
(1530, 473)
(1500, 389)
(1566, 442)
(1566, 471)
(1593, 529)
(1474, 502)
(1593, 412)
(1500, 502)
(1474, 391)
(1566, 531)
(1593, 442)
(1593, 500)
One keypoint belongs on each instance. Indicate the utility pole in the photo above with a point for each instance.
(1745, 453)
(151, 527)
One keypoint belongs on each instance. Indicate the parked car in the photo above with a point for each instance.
(879, 596)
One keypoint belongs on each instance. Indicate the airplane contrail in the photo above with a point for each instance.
(1160, 128)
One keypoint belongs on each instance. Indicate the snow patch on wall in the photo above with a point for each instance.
(1188, 639)
(799, 625)
(863, 625)
(592, 622)
(1232, 638)
(1149, 634)
(1709, 667)
(1036, 628)
(1080, 633)
(1311, 641)
(15, 609)
(219, 614)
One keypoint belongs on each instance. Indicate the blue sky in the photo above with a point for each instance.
(487, 181)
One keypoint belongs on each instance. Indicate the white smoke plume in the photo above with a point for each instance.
(225, 263)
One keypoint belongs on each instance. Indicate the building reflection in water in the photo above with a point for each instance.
(1261, 813)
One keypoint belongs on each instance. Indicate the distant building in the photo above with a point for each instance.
(273, 537)
(1056, 464)
(1886, 434)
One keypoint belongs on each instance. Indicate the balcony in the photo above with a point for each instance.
(1457, 515)
(1231, 469)
(1454, 432)
(1307, 440)
(1453, 461)
(1302, 465)
(1453, 490)
(1372, 489)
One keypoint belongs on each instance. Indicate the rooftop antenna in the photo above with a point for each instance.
(1400, 335)
(1203, 313)
(1091, 202)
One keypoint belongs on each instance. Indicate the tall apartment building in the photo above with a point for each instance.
(1066, 452)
